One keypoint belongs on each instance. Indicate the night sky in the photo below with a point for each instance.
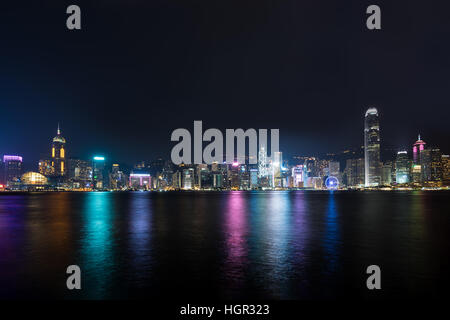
(140, 69)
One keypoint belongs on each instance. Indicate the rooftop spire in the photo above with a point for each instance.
(59, 131)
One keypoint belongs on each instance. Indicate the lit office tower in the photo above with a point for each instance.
(445, 159)
(188, 178)
(431, 163)
(79, 173)
(253, 173)
(140, 180)
(99, 174)
(334, 169)
(425, 166)
(276, 167)
(297, 176)
(386, 173)
(117, 179)
(177, 180)
(354, 171)
(12, 169)
(418, 147)
(264, 180)
(58, 159)
(46, 168)
(403, 166)
(234, 175)
(372, 148)
(262, 163)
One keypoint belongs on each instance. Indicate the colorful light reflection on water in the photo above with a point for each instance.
(282, 245)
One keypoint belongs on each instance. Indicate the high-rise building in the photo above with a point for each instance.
(218, 180)
(445, 159)
(431, 165)
(372, 148)
(386, 173)
(58, 155)
(140, 180)
(276, 169)
(234, 175)
(46, 168)
(117, 179)
(99, 173)
(333, 168)
(262, 163)
(425, 166)
(177, 180)
(244, 183)
(188, 178)
(12, 166)
(79, 173)
(204, 176)
(297, 176)
(354, 171)
(253, 173)
(418, 147)
(403, 165)
(419, 162)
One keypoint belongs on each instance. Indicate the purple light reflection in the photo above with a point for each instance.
(236, 237)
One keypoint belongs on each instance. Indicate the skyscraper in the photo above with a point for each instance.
(334, 169)
(276, 167)
(188, 178)
(99, 173)
(420, 162)
(79, 173)
(445, 159)
(436, 164)
(58, 158)
(403, 165)
(262, 163)
(418, 147)
(297, 176)
(386, 173)
(355, 172)
(372, 148)
(12, 170)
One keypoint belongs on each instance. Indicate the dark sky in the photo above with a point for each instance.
(140, 69)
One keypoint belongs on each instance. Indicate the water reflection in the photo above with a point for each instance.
(278, 230)
(12, 242)
(257, 245)
(236, 237)
(97, 244)
(140, 225)
(331, 236)
(270, 234)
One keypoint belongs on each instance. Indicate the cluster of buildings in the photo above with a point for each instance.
(59, 172)
(422, 166)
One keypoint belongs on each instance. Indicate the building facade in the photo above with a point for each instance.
(372, 148)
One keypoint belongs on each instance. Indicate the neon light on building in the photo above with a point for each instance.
(140, 180)
(418, 146)
(12, 158)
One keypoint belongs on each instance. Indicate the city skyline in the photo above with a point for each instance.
(132, 162)
(426, 166)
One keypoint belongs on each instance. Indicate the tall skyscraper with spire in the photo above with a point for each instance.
(58, 156)
(372, 148)
(418, 147)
